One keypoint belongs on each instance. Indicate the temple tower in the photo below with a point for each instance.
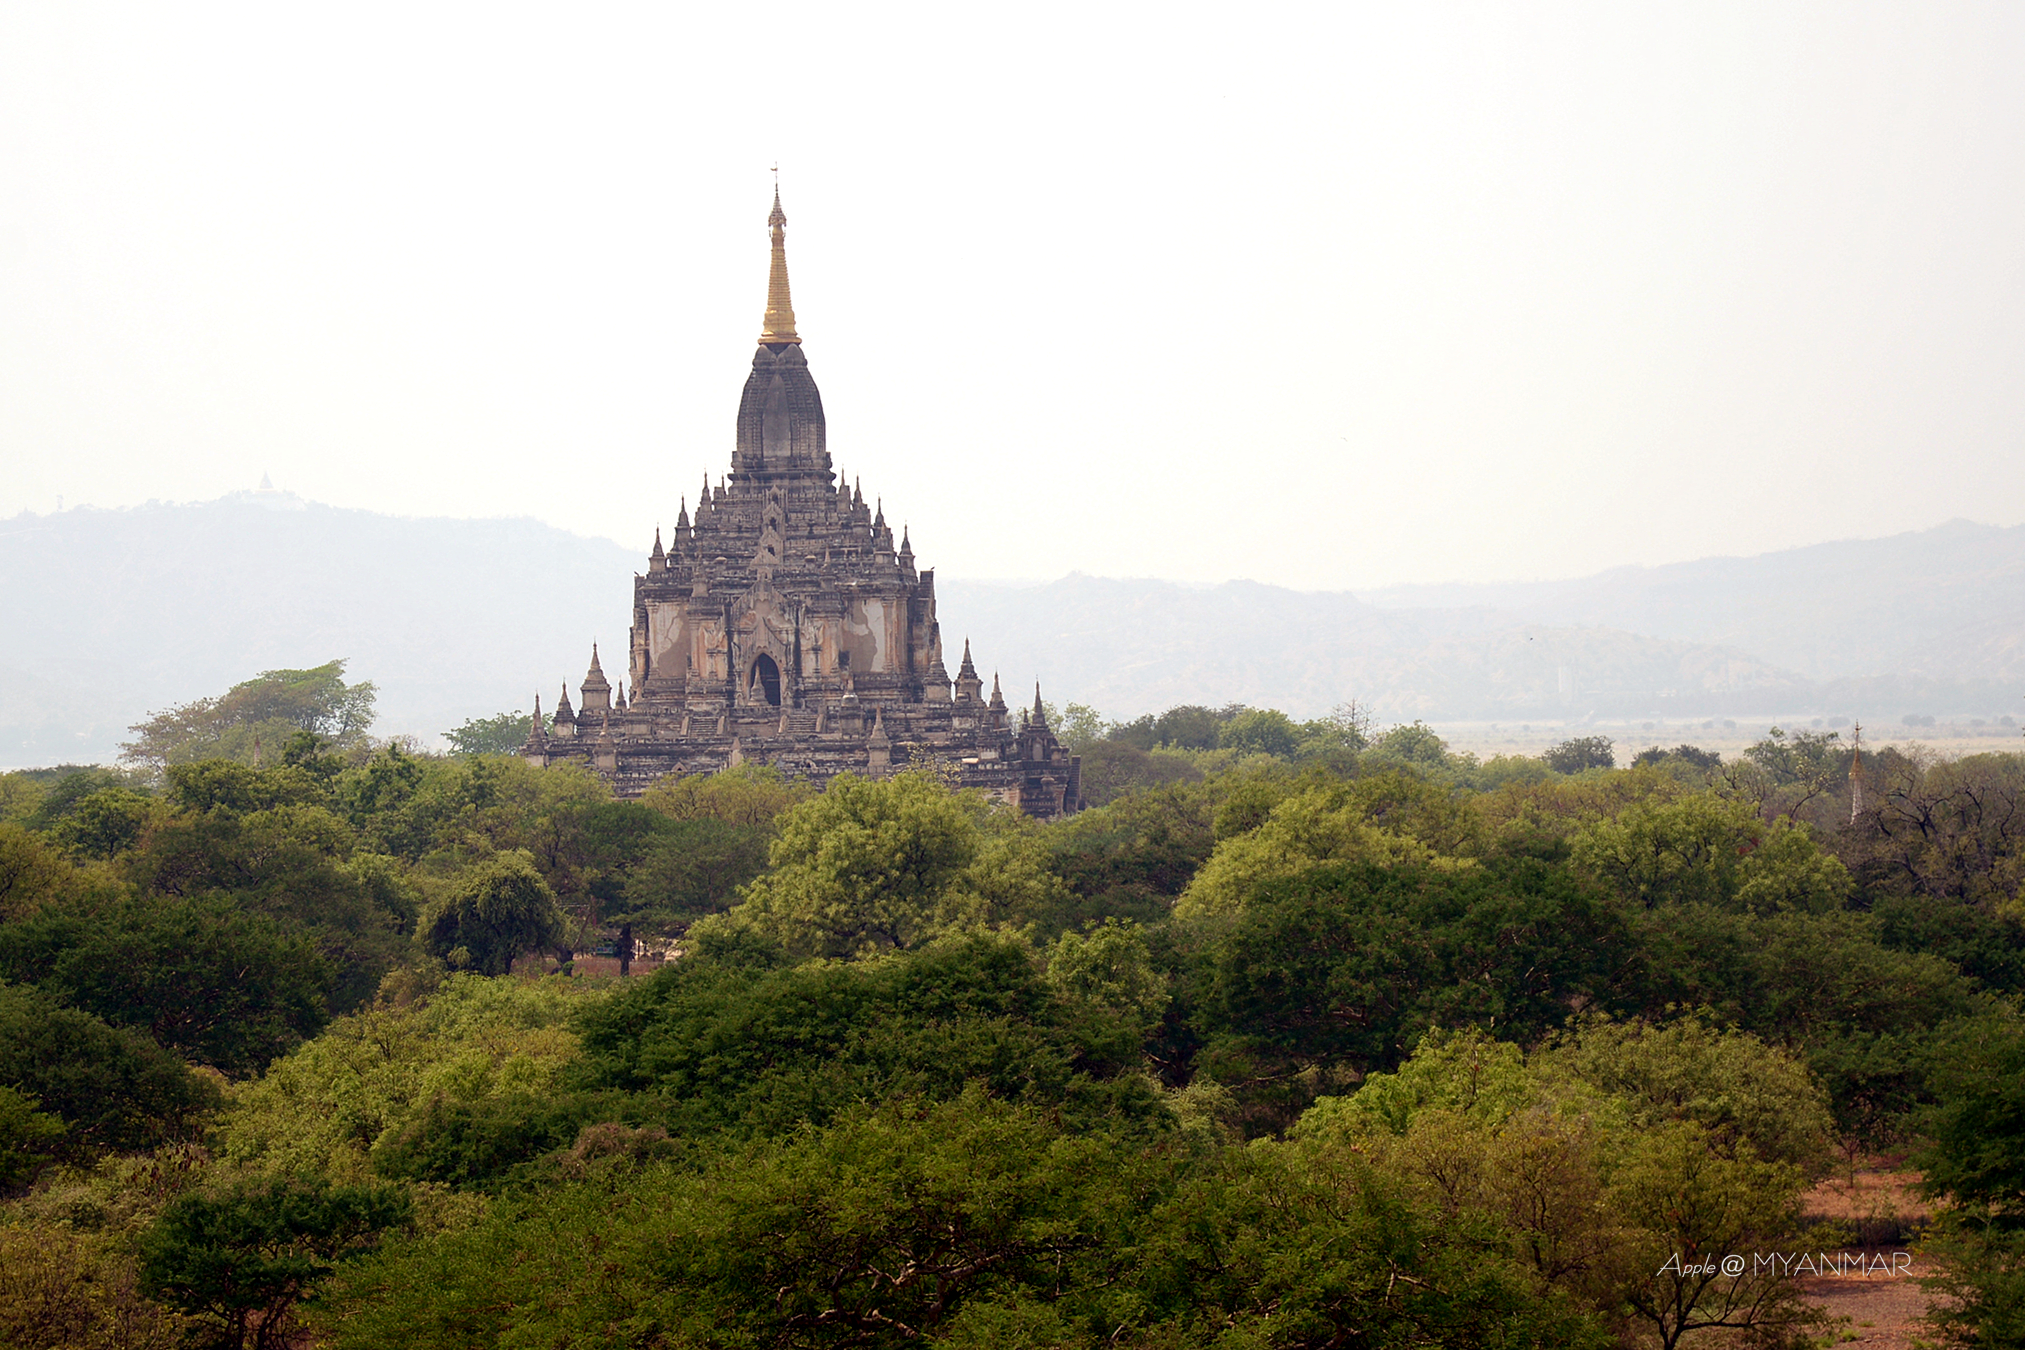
(783, 623)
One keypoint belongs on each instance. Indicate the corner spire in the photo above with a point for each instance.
(1040, 714)
(779, 324)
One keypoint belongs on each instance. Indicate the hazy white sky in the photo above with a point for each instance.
(1330, 296)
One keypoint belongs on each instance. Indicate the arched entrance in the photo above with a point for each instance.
(766, 679)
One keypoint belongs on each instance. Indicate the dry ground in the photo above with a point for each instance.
(1879, 1200)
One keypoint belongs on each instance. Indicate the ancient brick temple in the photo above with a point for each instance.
(782, 626)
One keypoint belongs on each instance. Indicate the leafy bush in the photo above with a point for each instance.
(112, 1088)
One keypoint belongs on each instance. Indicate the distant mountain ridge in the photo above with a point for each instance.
(1945, 604)
(1136, 646)
(108, 615)
(111, 614)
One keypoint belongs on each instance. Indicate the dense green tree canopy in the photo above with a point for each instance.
(1307, 1033)
(112, 1088)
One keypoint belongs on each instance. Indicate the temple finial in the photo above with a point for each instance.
(1040, 713)
(779, 324)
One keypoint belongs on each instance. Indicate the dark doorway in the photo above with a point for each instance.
(766, 675)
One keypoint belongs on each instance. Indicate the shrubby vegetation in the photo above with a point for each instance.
(1307, 1034)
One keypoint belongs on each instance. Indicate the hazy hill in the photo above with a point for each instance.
(1946, 603)
(107, 615)
(1136, 646)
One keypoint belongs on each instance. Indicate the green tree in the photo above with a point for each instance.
(376, 1075)
(1346, 728)
(1114, 768)
(1109, 967)
(871, 865)
(727, 1040)
(1688, 1209)
(244, 1259)
(20, 793)
(751, 794)
(255, 719)
(1707, 849)
(1868, 1019)
(1271, 829)
(954, 1223)
(1293, 1245)
(1414, 743)
(1947, 830)
(1260, 731)
(112, 1088)
(1190, 726)
(1689, 757)
(695, 842)
(27, 1136)
(70, 786)
(1079, 727)
(1627, 1197)
(1465, 1072)
(1581, 752)
(33, 875)
(693, 869)
(1975, 1160)
(202, 977)
(617, 837)
(105, 824)
(1340, 970)
(1747, 1098)
(65, 1287)
(497, 910)
(1800, 757)
(297, 864)
(1132, 858)
(376, 798)
(502, 734)
(209, 785)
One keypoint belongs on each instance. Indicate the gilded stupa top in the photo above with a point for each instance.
(779, 324)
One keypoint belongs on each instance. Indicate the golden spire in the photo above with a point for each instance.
(779, 324)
